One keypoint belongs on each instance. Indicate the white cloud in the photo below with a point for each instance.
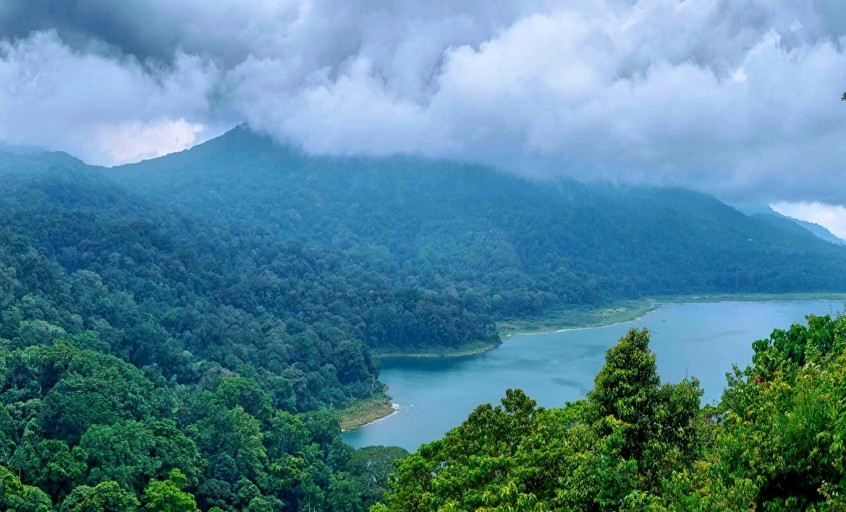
(831, 217)
(133, 141)
(90, 104)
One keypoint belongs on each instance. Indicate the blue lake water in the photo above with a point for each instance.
(701, 340)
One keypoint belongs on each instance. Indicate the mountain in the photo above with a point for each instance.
(472, 232)
(798, 226)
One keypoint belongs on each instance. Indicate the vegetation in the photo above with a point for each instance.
(502, 247)
(187, 333)
(142, 366)
(363, 412)
(774, 442)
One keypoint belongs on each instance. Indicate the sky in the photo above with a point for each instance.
(737, 99)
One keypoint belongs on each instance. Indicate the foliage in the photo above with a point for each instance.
(774, 442)
(174, 336)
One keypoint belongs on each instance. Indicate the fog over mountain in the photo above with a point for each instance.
(740, 99)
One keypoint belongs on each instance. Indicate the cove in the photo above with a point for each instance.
(699, 340)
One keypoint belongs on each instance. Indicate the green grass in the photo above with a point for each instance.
(468, 350)
(624, 311)
(366, 411)
(578, 317)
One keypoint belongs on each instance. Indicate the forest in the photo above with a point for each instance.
(183, 333)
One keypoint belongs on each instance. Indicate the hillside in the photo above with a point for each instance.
(515, 247)
(190, 326)
(788, 223)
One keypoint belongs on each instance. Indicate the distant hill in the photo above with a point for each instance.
(406, 253)
(821, 232)
(770, 216)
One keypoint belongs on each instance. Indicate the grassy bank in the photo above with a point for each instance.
(469, 350)
(720, 297)
(578, 318)
(366, 411)
(625, 311)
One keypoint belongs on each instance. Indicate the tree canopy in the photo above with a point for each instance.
(773, 442)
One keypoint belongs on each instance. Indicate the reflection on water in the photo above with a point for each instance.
(701, 340)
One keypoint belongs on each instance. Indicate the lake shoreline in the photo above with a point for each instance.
(691, 338)
(630, 311)
(366, 412)
(466, 352)
(590, 318)
(371, 411)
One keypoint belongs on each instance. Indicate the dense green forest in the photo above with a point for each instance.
(104, 406)
(775, 442)
(502, 245)
(181, 333)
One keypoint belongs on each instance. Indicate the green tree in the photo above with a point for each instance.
(49, 463)
(103, 497)
(17, 497)
(169, 495)
(372, 467)
(626, 388)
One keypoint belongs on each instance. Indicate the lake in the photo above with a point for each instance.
(699, 339)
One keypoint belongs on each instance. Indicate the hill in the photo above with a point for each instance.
(502, 245)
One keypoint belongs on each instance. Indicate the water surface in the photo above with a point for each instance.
(701, 340)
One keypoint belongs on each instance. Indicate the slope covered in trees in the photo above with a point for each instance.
(501, 245)
(774, 442)
(179, 333)
(111, 401)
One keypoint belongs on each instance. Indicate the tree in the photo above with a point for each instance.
(19, 497)
(626, 388)
(104, 497)
(372, 467)
(168, 495)
(50, 464)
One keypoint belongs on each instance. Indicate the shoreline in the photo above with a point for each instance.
(378, 408)
(584, 327)
(642, 307)
(395, 408)
(366, 412)
(470, 351)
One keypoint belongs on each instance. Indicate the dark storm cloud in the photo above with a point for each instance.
(129, 27)
(736, 98)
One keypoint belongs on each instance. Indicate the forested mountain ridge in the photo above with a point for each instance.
(525, 246)
(185, 327)
(134, 373)
(430, 239)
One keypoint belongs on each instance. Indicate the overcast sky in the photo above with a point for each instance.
(737, 98)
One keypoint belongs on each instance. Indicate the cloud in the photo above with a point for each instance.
(737, 99)
(85, 103)
(133, 141)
